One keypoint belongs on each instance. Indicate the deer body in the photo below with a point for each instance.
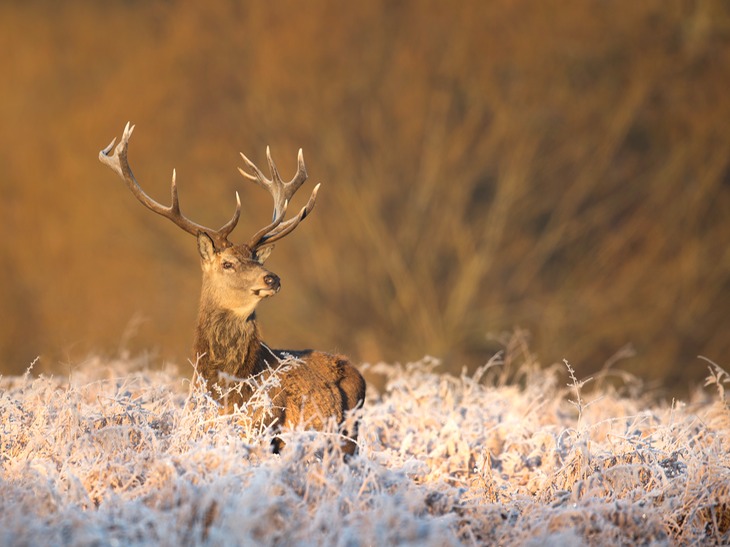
(313, 386)
(317, 387)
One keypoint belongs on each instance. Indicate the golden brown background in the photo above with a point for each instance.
(561, 166)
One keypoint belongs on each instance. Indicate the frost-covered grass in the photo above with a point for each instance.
(119, 453)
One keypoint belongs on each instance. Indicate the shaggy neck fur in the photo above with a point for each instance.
(228, 346)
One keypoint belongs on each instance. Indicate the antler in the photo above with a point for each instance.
(282, 193)
(117, 161)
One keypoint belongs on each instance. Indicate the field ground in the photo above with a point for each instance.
(118, 452)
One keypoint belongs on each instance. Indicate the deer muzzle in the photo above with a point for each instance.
(273, 284)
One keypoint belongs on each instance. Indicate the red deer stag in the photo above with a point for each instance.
(317, 385)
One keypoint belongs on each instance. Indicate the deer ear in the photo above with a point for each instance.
(263, 253)
(206, 247)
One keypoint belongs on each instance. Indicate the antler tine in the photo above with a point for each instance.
(281, 191)
(276, 177)
(116, 159)
(299, 177)
(258, 237)
(286, 227)
(228, 227)
(258, 178)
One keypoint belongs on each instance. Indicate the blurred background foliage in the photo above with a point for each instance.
(561, 166)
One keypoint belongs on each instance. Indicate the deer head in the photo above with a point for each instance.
(233, 275)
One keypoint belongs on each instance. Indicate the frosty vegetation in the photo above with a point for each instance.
(119, 452)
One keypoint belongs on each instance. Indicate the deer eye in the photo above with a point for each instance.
(227, 265)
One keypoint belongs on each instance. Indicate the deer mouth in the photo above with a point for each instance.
(264, 293)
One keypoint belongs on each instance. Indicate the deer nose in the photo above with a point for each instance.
(272, 281)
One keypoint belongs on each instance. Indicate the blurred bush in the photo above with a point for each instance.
(561, 166)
